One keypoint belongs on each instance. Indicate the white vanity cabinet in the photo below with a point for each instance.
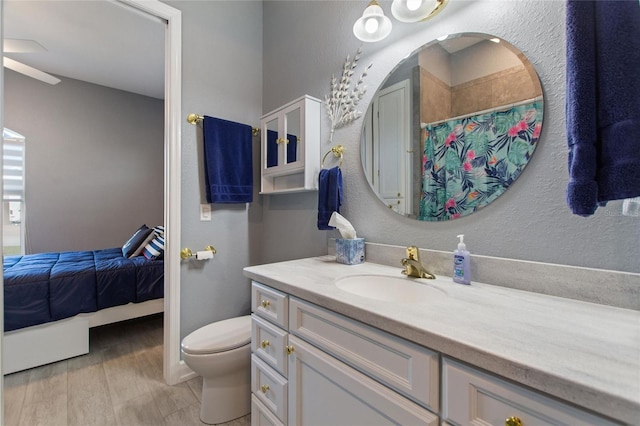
(337, 371)
(290, 149)
(472, 397)
(269, 341)
(311, 365)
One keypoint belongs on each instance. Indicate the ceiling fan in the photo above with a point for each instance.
(11, 45)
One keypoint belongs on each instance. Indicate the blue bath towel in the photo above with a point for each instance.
(329, 195)
(602, 102)
(228, 161)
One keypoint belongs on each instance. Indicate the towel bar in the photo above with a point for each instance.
(194, 118)
(337, 151)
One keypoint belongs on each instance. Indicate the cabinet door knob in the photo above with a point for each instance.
(264, 388)
(289, 349)
(264, 344)
(265, 303)
(513, 421)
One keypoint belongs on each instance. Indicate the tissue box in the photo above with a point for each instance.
(350, 252)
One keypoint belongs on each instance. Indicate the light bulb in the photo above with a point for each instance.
(371, 25)
(413, 4)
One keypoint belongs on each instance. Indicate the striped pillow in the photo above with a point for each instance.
(155, 248)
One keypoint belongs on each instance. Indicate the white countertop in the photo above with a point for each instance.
(583, 353)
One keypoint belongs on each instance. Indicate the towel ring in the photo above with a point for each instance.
(337, 151)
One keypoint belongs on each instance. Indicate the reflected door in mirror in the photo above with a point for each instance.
(390, 173)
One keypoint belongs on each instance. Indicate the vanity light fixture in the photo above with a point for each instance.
(416, 10)
(372, 25)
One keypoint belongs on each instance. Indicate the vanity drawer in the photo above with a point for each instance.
(470, 396)
(410, 369)
(269, 387)
(270, 304)
(269, 343)
(261, 416)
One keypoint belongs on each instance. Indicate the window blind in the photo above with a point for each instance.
(12, 166)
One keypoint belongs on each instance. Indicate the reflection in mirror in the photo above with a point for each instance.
(293, 135)
(272, 143)
(452, 127)
(283, 149)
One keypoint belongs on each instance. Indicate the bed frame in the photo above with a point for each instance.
(54, 341)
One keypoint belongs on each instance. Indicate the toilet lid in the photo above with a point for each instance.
(219, 336)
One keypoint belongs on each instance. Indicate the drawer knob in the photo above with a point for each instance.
(513, 421)
(289, 349)
(264, 388)
(265, 303)
(264, 344)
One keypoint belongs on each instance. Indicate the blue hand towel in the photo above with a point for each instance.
(329, 196)
(602, 102)
(228, 161)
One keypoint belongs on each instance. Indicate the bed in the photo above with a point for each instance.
(52, 299)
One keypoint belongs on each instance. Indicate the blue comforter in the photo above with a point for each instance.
(44, 287)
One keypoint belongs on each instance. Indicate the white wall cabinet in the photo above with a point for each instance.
(290, 152)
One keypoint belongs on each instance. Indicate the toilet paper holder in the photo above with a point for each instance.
(208, 253)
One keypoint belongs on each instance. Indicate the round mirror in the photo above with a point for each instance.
(452, 127)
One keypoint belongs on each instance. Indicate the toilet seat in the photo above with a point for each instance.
(219, 336)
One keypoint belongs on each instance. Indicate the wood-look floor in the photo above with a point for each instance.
(119, 382)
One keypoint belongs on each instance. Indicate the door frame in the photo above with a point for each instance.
(174, 370)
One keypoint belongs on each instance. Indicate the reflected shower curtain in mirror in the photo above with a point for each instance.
(468, 162)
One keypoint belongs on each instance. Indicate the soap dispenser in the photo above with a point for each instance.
(461, 263)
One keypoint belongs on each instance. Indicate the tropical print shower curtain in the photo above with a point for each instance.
(469, 162)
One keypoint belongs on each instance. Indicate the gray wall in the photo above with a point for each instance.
(530, 221)
(94, 161)
(221, 77)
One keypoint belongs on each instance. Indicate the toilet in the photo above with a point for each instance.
(221, 353)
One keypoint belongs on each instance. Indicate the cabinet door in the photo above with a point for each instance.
(405, 367)
(324, 391)
(292, 133)
(472, 397)
(260, 414)
(272, 153)
(282, 140)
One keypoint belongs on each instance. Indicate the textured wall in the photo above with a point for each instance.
(94, 173)
(221, 77)
(305, 42)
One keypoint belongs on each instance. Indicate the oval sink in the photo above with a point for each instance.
(390, 288)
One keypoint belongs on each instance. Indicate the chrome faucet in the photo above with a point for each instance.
(413, 266)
